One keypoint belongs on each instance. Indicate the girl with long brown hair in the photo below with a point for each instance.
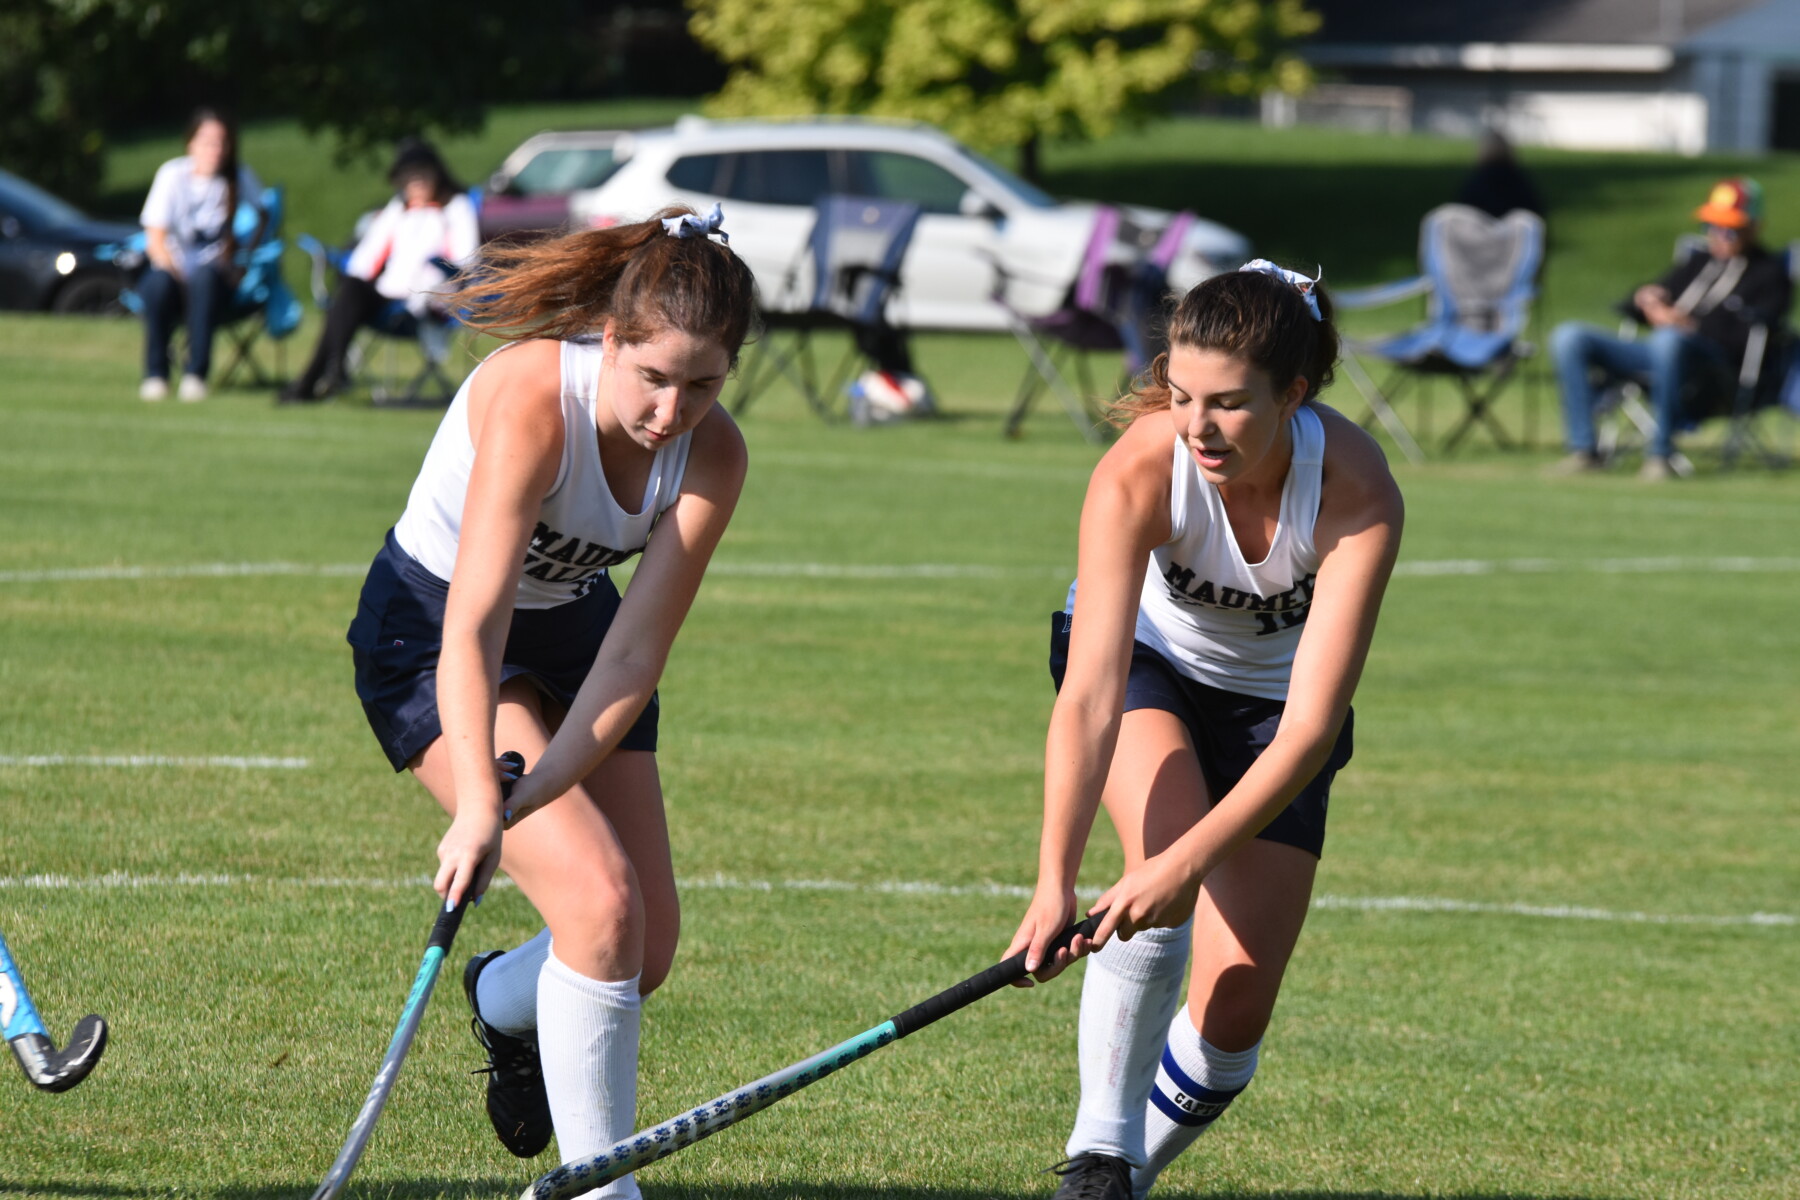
(189, 239)
(1235, 544)
(488, 621)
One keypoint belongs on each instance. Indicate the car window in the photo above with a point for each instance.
(905, 177)
(1030, 193)
(35, 208)
(699, 173)
(563, 169)
(779, 176)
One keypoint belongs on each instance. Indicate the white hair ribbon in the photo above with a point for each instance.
(688, 225)
(1308, 288)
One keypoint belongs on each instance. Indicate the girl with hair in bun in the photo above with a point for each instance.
(1234, 547)
(488, 621)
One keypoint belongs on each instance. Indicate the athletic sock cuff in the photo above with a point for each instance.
(622, 994)
(1149, 954)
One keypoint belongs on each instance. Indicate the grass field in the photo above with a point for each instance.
(1555, 946)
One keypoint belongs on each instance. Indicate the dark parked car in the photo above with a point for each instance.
(47, 253)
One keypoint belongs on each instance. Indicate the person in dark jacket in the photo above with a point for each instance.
(1699, 315)
(1498, 184)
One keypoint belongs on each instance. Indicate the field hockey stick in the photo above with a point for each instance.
(660, 1141)
(47, 1067)
(443, 932)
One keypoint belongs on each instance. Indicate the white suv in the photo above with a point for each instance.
(979, 221)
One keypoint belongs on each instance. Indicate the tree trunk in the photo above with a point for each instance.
(1029, 165)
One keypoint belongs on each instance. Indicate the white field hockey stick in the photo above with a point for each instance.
(660, 1141)
(47, 1067)
(443, 932)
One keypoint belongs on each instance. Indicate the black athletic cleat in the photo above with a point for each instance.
(1093, 1177)
(516, 1101)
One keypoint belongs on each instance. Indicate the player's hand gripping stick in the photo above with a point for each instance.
(660, 1141)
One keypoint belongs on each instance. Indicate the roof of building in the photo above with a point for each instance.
(1557, 22)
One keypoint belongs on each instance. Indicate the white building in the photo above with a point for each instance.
(1672, 75)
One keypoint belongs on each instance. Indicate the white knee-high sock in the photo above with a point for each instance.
(1131, 990)
(588, 1039)
(506, 992)
(1195, 1082)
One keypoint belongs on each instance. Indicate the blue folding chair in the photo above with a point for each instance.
(262, 306)
(1479, 275)
(855, 251)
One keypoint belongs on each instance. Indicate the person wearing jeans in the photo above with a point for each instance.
(1699, 316)
(189, 241)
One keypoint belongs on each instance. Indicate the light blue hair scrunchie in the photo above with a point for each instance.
(688, 225)
(1308, 288)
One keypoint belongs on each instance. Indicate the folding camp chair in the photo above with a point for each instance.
(261, 307)
(1479, 275)
(1113, 306)
(434, 332)
(854, 252)
(1766, 380)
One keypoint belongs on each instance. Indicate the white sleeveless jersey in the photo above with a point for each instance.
(1220, 620)
(581, 530)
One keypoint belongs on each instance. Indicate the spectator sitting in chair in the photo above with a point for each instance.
(429, 225)
(1699, 313)
(193, 274)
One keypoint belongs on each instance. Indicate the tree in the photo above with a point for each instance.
(72, 71)
(996, 72)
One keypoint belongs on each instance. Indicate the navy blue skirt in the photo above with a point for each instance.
(1229, 732)
(399, 631)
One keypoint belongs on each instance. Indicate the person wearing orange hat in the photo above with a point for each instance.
(1699, 314)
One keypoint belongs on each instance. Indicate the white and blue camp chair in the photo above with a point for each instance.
(845, 278)
(1479, 275)
(262, 307)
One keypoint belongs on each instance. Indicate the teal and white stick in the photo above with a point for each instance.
(443, 932)
(47, 1067)
(660, 1141)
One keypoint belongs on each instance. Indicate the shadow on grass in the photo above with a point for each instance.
(496, 1188)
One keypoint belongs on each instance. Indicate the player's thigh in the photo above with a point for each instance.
(628, 789)
(1246, 924)
(1155, 791)
(565, 857)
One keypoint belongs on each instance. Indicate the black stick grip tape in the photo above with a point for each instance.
(1001, 974)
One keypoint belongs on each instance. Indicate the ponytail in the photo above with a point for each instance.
(637, 276)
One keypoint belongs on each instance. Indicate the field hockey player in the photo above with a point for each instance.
(1235, 544)
(488, 619)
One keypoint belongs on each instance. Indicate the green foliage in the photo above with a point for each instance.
(72, 70)
(995, 72)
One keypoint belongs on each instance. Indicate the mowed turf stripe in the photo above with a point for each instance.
(1735, 564)
(719, 882)
(229, 762)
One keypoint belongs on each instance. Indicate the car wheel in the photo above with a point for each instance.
(93, 294)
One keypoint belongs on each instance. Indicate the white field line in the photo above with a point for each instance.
(154, 760)
(122, 881)
(1736, 564)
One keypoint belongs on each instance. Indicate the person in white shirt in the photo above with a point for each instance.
(409, 252)
(191, 246)
(1235, 545)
